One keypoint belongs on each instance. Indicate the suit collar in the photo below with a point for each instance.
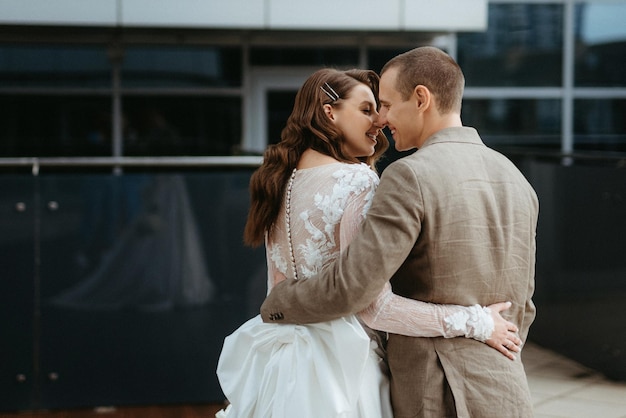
(464, 134)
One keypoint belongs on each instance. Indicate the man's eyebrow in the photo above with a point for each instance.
(383, 101)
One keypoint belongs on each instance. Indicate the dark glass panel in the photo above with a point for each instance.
(515, 122)
(600, 31)
(176, 126)
(54, 66)
(178, 66)
(580, 286)
(17, 292)
(54, 126)
(142, 278)
(304, 56)
(600, 125)
(521, 47)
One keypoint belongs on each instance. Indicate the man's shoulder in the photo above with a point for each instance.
(400, 165)
(420, 162)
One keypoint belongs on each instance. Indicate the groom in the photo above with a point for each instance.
(452, 223)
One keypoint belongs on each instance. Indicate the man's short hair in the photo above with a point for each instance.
(434, 69)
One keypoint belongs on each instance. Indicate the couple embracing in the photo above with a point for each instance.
(408, 296)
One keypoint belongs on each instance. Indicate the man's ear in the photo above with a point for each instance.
(422, 97)
(328, 110)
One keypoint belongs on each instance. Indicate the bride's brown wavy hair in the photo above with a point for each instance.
(307, 127)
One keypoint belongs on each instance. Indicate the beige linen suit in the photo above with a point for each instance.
(453, 223)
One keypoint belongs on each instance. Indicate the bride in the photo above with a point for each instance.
(308, 199)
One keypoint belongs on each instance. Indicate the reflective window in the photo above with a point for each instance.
(521, 47)
(181, 67)
(304, 56)
(279, 107)
(515, 122)
(54, 126)
(181, 125)
(600, 36)
(378, 57)
(599, 125)
(54, 66)
(45, 126)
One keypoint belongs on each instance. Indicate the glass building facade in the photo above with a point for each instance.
(549, 75)
(543, 76)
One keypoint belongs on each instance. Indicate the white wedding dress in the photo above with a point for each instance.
(330, 369)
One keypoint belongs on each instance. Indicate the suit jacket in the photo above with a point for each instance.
(453, 223)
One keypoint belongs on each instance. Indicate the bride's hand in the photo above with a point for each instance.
(504, 336)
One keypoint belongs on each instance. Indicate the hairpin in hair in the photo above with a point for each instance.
(330, 92)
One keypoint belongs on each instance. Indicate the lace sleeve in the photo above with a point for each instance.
(274, 276)
(399, 315)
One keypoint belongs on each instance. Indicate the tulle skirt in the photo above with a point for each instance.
(324, 370)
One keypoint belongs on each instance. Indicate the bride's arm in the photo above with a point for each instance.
(274, 276)
(399, 315)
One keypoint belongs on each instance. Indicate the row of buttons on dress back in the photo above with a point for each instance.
(288, 223)
(276, 316)
(279, 315)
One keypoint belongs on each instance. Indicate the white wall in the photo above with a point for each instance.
(73, 12)
(411, 15)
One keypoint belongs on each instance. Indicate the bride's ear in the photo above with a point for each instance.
(328, 110)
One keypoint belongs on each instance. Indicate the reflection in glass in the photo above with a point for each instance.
(279, 107)
(599, 125)
(55, 126)
(515, 122)
(62, 126)
(521, 47)
(378, 57)
(143, 228)
(307, 56)
(600, 35)
(176, 126)
(54, 66)
(156, 263)
(181, 66)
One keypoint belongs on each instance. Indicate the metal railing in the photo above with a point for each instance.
(118, 163)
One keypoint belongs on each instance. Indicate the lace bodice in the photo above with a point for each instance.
(321, 197)
(324, 207)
